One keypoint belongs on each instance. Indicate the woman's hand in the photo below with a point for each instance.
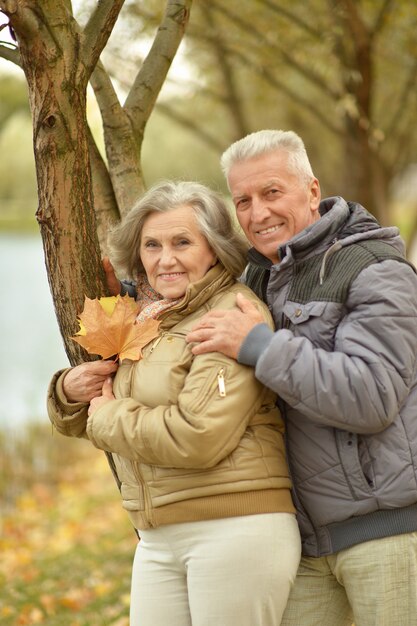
(107, 396)
(84, 382)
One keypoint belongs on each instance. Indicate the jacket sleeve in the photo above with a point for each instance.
(361, 385)
(69, 418)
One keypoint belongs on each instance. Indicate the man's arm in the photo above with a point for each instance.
(115, 286)
(113, 283)
(362, 383)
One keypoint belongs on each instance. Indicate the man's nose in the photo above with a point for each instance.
(260, 210)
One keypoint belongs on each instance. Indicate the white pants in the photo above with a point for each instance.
(236, 571)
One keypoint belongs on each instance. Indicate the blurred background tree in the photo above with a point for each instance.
(341, 73)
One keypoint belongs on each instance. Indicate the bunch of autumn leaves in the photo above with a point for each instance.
(108, 327)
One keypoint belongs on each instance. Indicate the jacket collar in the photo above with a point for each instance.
(198, 293)
(341, 221)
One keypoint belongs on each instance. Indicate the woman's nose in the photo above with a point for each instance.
(167, 258)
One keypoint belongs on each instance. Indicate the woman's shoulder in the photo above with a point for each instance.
(226, 299)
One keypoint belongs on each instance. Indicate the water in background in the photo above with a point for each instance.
(31, 349)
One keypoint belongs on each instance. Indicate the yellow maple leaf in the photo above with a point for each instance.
(108, 328)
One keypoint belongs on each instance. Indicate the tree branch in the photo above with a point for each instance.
(97, 31)
(385, 9)
(407, 91)
(10, 54)
(294, 96)
(105, 204)
(190, 124)
(297, 21)
(151, 76)
(233, 99)
(21, 17)
(121, 150)
(289, 59)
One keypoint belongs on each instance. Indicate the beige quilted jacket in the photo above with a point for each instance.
(191, 437)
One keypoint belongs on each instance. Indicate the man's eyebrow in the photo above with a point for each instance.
(238, 196)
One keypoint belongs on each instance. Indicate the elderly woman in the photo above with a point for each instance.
(197, 441)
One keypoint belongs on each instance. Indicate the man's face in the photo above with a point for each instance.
(272, 203)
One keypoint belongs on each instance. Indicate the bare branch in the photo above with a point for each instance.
(294, 96)
(233, 99)
(407, 92)
(291, 17)
(105, 204)
(10, 54)
(269, 77)
(385, 9)
(98, 30)
(289, 59)
(121, 150)
(190, 124)
(151, 76)
(360, 32)
(21, 17)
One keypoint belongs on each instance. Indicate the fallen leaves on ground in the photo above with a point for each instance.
(108, 328)
(66, 550)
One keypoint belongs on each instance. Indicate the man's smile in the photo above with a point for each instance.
(270, 229)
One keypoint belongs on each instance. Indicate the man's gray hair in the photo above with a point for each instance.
(265, 141)
(212, 215)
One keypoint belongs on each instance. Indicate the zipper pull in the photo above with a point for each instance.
(158, 339)
(220, 383)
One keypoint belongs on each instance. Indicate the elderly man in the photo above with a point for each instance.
(343, 362)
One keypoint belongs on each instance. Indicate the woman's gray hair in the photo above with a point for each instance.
(266, 141)
(213, 219)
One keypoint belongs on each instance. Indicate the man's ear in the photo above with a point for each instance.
(315, 194)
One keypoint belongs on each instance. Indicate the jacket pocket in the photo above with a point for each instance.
(215, 386)
(299, 313)
(348, 448)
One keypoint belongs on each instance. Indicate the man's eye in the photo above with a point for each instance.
(242, 203)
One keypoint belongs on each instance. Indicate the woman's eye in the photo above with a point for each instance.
(150, 244)
(183, 242)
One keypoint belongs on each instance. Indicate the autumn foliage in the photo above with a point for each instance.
(108, 328)
(66, 544)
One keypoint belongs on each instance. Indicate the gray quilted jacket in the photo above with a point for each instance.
(343, 361)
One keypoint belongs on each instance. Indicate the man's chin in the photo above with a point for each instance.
(269, 251)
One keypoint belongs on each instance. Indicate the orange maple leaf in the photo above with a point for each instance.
(108, 327)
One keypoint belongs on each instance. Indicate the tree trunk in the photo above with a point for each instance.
(57, 74)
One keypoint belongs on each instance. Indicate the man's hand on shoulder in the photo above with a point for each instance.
(225, 331)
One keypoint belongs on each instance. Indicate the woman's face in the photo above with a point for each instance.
(173, 251)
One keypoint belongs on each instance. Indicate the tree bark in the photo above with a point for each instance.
(57, 63)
